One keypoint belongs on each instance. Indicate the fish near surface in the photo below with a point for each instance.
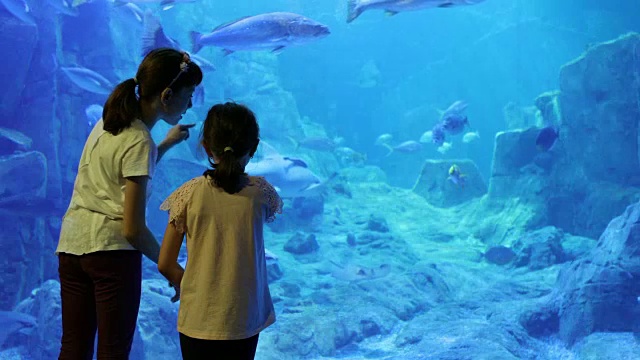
(270, 31)
(356, 7)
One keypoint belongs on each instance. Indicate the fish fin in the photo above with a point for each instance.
(165, 3)
(446, 5)
(353, 10)
(390, 13)
(278, 50)
(151, 26)
(168, 7)
(294, 141)
(297, 162)
(227, 52)
(222, 26)
(388, 147)
(195, 41)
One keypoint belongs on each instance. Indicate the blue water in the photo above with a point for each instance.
(531, 253)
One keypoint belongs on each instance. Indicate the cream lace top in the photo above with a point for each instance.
(224, 291)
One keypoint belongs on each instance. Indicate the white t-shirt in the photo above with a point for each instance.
(94, 220)
(224, 294)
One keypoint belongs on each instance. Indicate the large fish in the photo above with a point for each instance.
(20, 9)
(270, 31)
(291, 177)
(392, 7)
(165, 4)
(88, 80)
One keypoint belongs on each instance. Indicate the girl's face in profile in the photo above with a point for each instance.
(176, 104)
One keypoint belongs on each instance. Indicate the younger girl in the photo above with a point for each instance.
(225, 299)
(104, 234)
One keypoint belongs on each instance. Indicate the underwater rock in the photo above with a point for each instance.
(377, 223)
(20, 39)
(447, 337)
(585, 210)
(540, 323)
(274, 272)
(439, 189)
(300, 244)
(518, 117)
(44, 304)
(365, 174)
(599, 292)
(609, 346)
(307, 208)
(549, 106)
(351, 239)
(577, 246)
(540, 249)
(514, 150)
(599, 100)
(499, 255)
(23, 173)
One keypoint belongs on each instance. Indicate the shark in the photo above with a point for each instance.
(291, 177)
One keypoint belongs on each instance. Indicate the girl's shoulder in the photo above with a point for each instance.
(182, 193)
(261, 183)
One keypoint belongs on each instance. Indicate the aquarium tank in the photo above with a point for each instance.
(461, 178)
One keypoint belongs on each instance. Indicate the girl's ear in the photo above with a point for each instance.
(209, 153)
(166, 95)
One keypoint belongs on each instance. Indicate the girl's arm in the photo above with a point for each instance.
(175, 135)
(135, 226)
(168, 262)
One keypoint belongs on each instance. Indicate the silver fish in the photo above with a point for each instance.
(392, 7)
(270, 31)
(88, 80)
(20, 9)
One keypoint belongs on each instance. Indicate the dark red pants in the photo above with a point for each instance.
(196, 349)
(99, 291)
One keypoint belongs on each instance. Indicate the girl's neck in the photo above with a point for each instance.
(148, 114)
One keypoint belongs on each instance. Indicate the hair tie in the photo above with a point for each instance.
(186, 60)
(228, 148)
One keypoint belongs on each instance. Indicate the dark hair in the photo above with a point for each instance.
(160, 69)
(230, 132)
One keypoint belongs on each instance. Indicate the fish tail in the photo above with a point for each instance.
(353, 10)
(294, 141)
(151, 25)
(390, 149)
(195, 41)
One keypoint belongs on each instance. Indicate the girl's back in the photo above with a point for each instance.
(224, 290)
